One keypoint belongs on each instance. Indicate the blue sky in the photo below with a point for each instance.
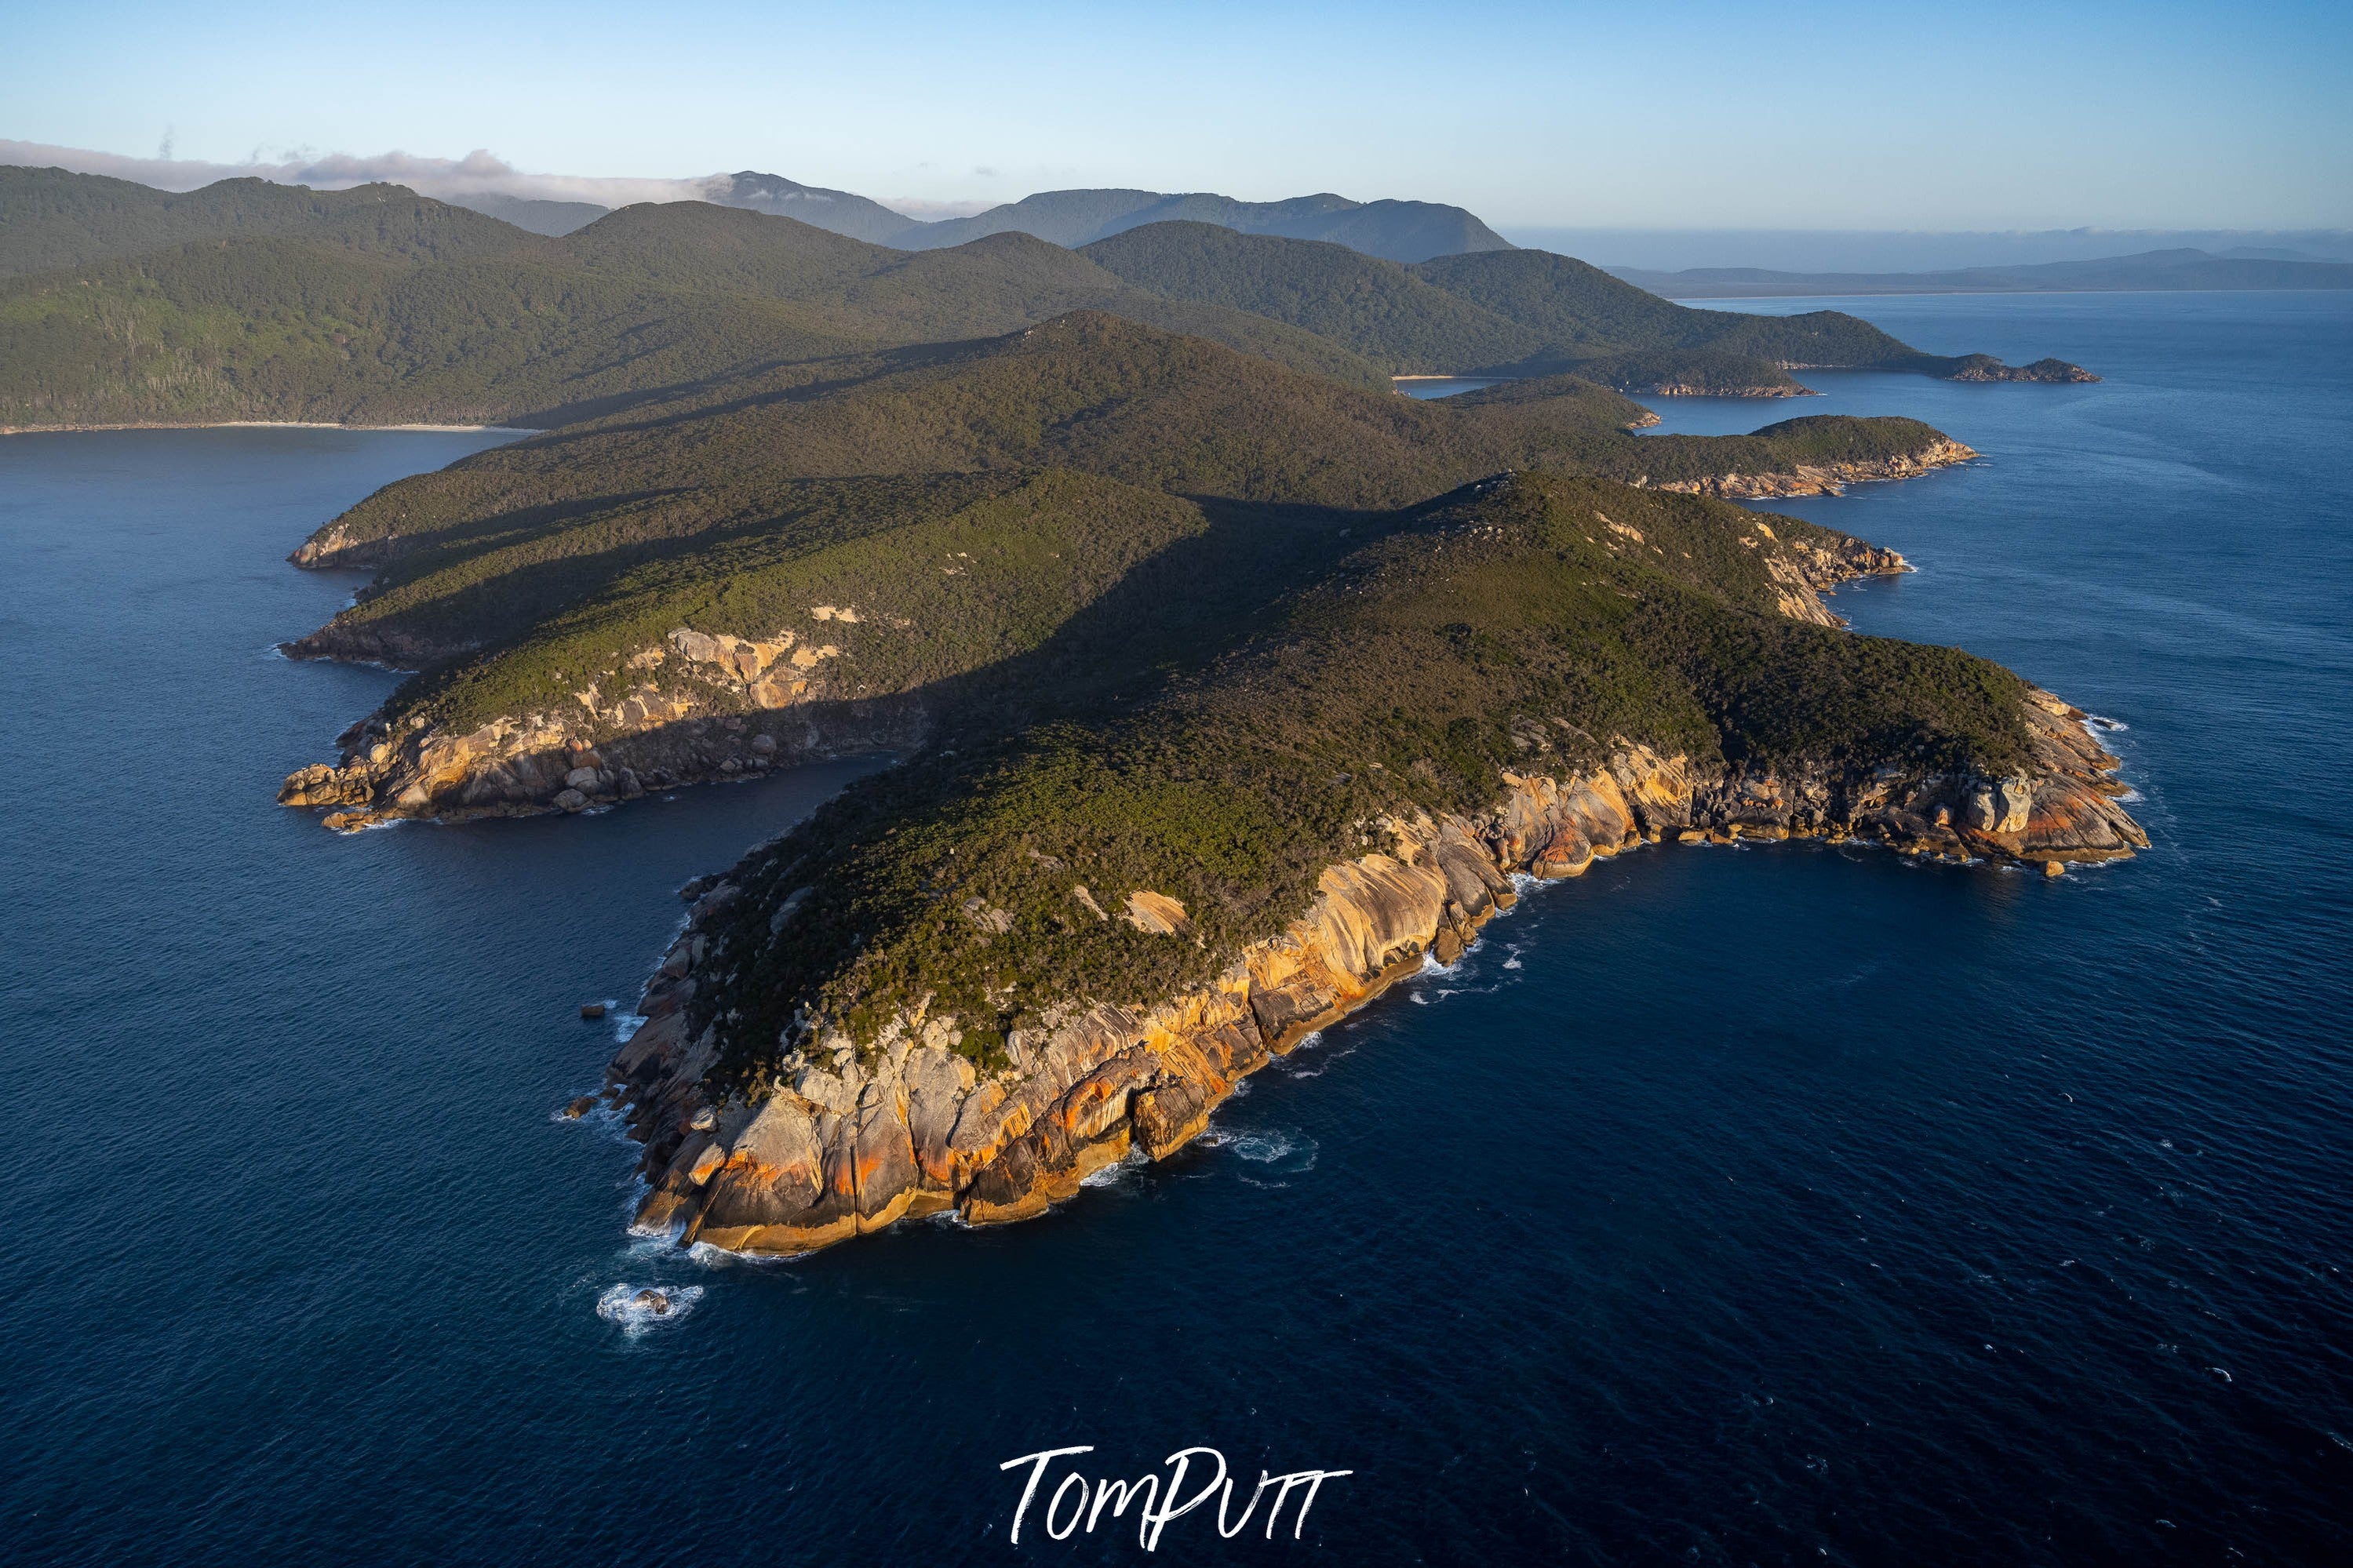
(1661, 114)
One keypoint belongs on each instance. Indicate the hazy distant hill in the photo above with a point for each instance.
(1400, 231)
(552, 219)
(839, 211)
(2182, 268)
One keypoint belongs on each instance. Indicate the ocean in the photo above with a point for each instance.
(1775, 1203)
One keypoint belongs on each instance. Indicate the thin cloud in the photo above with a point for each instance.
(478, 174)
(931, 211)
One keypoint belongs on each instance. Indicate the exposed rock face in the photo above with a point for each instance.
(1985, 367)
(1803, 572)
(1670, 387)
(333, 547)
(850, 1140)
(1828, 479)
(731, 707)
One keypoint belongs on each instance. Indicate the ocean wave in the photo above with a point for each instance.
(625, 1025)
(640, 1308)
(1119, 1170)
(1292, 1068)
(1279, 1149)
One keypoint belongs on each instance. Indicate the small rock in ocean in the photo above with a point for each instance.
(637, 1308)
(592, 1009)
(2054, 869)
(579, 1108)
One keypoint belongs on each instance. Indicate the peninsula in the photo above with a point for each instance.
(1224, 694)
(1225, 685)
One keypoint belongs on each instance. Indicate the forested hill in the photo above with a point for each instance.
(961, 499)
(364, 307)
(1087, 391)
(1510, 312)
(50, 219)
(1397, 231)
(247, 300)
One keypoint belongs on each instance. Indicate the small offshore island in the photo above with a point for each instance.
(1227, 684)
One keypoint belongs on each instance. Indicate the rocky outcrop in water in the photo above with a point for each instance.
(1985, 367)
(848, 1140)
(1828, 478)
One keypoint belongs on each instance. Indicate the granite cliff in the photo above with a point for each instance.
(976, 980)
(848, 1139)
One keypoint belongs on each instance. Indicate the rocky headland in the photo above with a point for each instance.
(849, 1137)
(1817, 479)
(699, 707)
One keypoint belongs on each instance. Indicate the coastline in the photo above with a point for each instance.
(268, 424)
(846, 1139)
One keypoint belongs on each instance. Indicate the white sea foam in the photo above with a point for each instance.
(1291, 1152)
(625, 1025)
(709, 1255)
(1323, 1060)
(1117, 1173)
(620, 1305)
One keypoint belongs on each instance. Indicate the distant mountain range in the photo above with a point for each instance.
(1393, 230)
(2183, 268)
(252, 299)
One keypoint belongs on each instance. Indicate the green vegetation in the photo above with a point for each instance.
(365, 309)
(1575, 312)
(947, 574)
(1503, 626)
(556, 557)
(1700, 371)
(1188, 597)
(51, 219)
(1511, 313)
(1377, 309)
(248, 300)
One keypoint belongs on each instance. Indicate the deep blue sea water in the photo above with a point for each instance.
(1773, 1204)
